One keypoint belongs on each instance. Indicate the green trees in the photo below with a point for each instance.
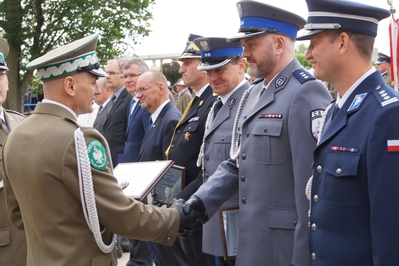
(34, 27)
(300, 51)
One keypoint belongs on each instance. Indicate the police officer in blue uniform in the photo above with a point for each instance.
(383, 64)
(354, 194)
(274, 135)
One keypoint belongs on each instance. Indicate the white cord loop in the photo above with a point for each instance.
(235, 138)
(87, 192)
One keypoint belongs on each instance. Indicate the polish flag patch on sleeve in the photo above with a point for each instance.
(393, 145)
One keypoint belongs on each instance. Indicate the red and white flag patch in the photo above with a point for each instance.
(393, 145)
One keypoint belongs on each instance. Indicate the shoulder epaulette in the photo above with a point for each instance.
(14, 112)
(302, 75)
(385, 95)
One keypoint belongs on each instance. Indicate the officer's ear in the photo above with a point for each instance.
(69, 85)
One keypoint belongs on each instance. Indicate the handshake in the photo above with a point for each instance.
(191, 211)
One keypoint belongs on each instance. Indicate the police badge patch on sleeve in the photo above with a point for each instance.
(97, 154)
(316, 119)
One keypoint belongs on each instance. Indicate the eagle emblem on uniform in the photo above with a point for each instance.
(205, 45)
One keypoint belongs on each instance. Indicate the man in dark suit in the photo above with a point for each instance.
(136, 127)
(354, 195)
(115, 114)
(138, 117)
(187, 138)
(153, 92)
(274, 135)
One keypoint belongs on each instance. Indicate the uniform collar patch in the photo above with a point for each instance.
(232, 101)
(280, 81)
(357, 101)
(97, 154)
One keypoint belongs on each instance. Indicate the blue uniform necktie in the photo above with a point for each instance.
(217, 107)
(335, 111)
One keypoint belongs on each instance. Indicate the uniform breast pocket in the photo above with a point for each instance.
(342, 184)
(220, 149)
(191, 138)
(267, 145)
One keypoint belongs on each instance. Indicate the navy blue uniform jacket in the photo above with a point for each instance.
(355, 190)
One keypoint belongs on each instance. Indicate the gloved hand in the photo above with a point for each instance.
(195, 203)
(187, 220)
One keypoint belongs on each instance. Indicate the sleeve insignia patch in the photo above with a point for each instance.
(97, 154)
(316, 121)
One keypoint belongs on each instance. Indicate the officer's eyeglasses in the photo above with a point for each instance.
(131, 75)
(141, 90)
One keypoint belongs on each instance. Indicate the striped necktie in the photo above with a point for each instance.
(4, 127)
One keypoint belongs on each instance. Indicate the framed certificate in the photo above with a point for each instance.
(138, 179)
(229, 224)
(170, 185)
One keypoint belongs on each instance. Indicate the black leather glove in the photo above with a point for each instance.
(187, 220)
(195, 203)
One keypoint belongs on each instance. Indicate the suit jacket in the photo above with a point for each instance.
(157, 139)
(354, 196)
(43, 197)
(188, 137)
(277, 142)
(217, 142)
(12, 240)
(135, 133)
(115, 124)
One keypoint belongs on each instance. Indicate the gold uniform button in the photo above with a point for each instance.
(313, 256)
(313, 227)
(315, 198)
(319, 169)
(338, 171)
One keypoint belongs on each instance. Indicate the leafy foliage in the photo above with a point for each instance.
(34, 27)
(171, 71)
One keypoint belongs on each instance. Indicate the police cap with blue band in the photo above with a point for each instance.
(258, 18)
(4, 49)
(382, 58)
(191, 50)
(75, 57)
(217, 52)
(342, 15)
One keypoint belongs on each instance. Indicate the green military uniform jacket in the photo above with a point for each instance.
(43, 197)
(12, 241)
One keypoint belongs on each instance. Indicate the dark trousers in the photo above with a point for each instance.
(140, 255)
(193, 247)
(169, 256)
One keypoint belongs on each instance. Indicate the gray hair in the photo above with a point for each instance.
(143, 67)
